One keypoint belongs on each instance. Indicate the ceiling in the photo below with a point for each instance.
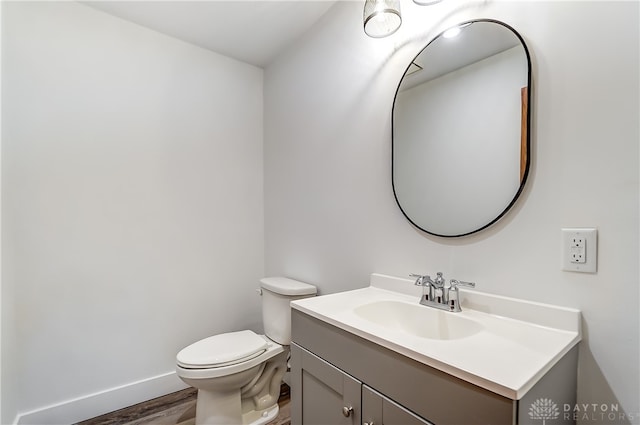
(254, 32)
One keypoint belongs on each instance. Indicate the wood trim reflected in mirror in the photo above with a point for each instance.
(524, 154)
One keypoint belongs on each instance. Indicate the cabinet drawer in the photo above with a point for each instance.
(380, 410)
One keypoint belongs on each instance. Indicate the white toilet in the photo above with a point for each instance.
(238, 374)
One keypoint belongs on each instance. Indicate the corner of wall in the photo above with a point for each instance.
(1, 417)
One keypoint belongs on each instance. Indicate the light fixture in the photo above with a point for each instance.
(451, 32)
(454, 31)
(381, 17)
(426, 2)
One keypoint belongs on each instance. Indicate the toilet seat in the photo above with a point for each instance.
(188, 368)
(222, 350)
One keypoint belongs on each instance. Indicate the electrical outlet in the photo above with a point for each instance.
(579, 250)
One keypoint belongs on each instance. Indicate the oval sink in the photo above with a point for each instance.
(418, 320)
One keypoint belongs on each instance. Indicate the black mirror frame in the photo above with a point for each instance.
(528, 132)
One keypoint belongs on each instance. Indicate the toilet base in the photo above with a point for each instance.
(221, 409)
(261, 418)
(216, 408)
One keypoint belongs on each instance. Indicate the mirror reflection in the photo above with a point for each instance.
(460, 129)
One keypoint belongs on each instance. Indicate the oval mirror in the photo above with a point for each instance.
(460, 154)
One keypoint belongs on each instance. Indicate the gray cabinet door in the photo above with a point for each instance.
(379, 410)
(321, 394)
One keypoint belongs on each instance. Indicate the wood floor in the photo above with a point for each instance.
(178, 408)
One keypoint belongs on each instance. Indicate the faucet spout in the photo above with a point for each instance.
(438, 289)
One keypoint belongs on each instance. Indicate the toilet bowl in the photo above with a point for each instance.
(238, 374)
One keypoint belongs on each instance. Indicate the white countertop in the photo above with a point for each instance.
(518, 343)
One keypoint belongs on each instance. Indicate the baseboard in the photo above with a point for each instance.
(96, 404)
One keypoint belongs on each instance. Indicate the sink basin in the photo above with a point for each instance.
(418, 320)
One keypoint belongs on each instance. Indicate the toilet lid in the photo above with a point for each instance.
(222, 350)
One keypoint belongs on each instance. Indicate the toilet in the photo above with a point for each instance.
(238, 374)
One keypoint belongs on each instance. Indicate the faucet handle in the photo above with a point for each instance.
(455, 283)
(420, 279)
(427, 286)
(453, 296)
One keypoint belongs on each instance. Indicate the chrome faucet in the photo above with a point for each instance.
(436, 294)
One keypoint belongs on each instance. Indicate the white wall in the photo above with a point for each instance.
(330, 215)
(132, 208)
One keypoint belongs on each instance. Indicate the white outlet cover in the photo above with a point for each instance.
(590, 236)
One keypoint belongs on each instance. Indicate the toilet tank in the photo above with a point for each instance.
(277, 293)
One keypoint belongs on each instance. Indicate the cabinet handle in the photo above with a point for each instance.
(346, 411)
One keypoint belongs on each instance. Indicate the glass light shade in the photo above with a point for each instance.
(426, 2)
(381, 17)
(452, 32)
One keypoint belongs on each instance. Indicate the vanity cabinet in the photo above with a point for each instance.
(333, 369)
(331, 396)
